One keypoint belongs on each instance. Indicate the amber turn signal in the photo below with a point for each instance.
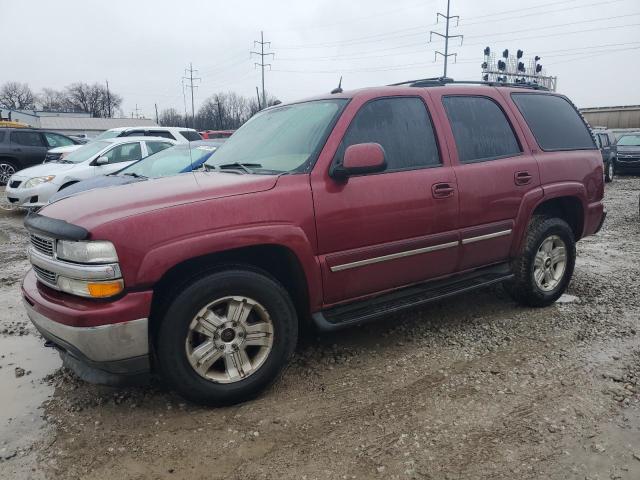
(105, 289)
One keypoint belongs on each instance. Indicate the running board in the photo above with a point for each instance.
(374, 308)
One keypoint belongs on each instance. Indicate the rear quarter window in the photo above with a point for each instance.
(190, 135)
(554, 122)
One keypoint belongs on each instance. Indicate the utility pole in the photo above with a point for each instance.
(261, 64)
(184, 100)
(137, 115)
(446, 37)
(191, 78)
(157, 121)
(258, 95)
(108, 99)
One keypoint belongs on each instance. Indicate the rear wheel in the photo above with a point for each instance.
(226, 337)
(7, 168)
(609, 171)
(545, 266)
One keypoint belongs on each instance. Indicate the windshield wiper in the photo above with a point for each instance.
(133, 174)
(244, 166)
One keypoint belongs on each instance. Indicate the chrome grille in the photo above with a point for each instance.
(45, 275)
(42, 245)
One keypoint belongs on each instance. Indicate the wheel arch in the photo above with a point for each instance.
(277, 261)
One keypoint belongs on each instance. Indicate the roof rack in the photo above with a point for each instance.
(441, 81)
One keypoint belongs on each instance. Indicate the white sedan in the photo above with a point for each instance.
(31, 188)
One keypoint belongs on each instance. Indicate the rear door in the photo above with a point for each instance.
(381, 231)
(494, 170)
(28, 146)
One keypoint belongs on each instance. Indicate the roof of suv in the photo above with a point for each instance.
(149, 127)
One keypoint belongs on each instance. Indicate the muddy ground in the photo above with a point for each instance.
(468, 388)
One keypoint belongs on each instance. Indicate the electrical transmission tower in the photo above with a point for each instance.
(191, 78)
(261, 64)
(448, 17)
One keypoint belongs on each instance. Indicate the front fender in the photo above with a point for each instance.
(157, 261)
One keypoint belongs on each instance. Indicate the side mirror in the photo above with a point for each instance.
(359, 159)
(101, 161)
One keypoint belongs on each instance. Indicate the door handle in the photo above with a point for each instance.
(522, 178)
(17, 149)
(442, 190)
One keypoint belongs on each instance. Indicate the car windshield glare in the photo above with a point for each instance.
(630, 140)
(280, 139)
(86, 152)
(173, 160)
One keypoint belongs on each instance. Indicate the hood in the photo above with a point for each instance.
(628, 148)
(49, 168)
(95, 182)
(67, 149)
(96, 207)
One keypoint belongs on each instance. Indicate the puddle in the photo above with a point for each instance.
(21, 420)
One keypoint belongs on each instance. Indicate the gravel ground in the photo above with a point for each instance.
(472, 387)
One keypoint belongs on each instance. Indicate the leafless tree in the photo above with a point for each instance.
(93, 99)
(52, 100)
(171, 118)
(227, 111)
(17, 96)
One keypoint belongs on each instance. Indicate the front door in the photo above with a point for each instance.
(378, 232)
(121, 156)
(494, 171)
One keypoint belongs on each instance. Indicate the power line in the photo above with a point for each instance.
(261, 64)
(191, 78)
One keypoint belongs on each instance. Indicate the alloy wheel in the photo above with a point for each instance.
(229, 339)
(550, 263)
(6, 170)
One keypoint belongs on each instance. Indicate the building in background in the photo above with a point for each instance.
(621, 117)
(72, 123)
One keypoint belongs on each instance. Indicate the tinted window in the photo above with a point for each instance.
(401, 126)
(57, 140)
(154, 147)
(554, 122)
(30, 139)
(480, 128)
(133, 133)
(129, 152)
(160, 133)
(190, 135)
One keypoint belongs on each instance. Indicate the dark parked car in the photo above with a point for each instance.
(628, 157)
(181, 158)
(335, 211)
(606, 141)
(24, 147)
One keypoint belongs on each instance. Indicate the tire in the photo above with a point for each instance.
(199, 319)
(609, 171)
(524, 287)
(7, 168)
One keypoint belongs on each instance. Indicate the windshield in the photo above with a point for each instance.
(173, 160)
(86, 152)
(107, 134)
(630, 140)
(281, 139)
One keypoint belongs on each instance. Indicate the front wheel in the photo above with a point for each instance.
(544, 268)
(7, 168)
(226, 337)
(609, 171)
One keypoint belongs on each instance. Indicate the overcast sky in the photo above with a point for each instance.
(143, 47)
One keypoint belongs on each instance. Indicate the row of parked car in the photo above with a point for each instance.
(620, 151)
(113, 158)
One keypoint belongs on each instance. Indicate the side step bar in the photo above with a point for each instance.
(370, 309)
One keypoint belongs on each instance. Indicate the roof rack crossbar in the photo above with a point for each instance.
(440, 81)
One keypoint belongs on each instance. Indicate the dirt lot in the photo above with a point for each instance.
(473, 387)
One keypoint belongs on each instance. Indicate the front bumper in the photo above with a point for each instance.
(99, 352)
(34, 197)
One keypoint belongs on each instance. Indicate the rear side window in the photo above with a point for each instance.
(29, 139)
(154, 147)
(133, 133)
(160, 133)
(401, 126)
(480, 128)
(604, 139)
(554, 122)
(190, 135)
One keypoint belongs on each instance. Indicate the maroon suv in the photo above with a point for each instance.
(335, 210)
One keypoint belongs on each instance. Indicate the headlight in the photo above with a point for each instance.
(32, 182)
(87, 252)
(91, 289)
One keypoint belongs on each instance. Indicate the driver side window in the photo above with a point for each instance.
(128, 152)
